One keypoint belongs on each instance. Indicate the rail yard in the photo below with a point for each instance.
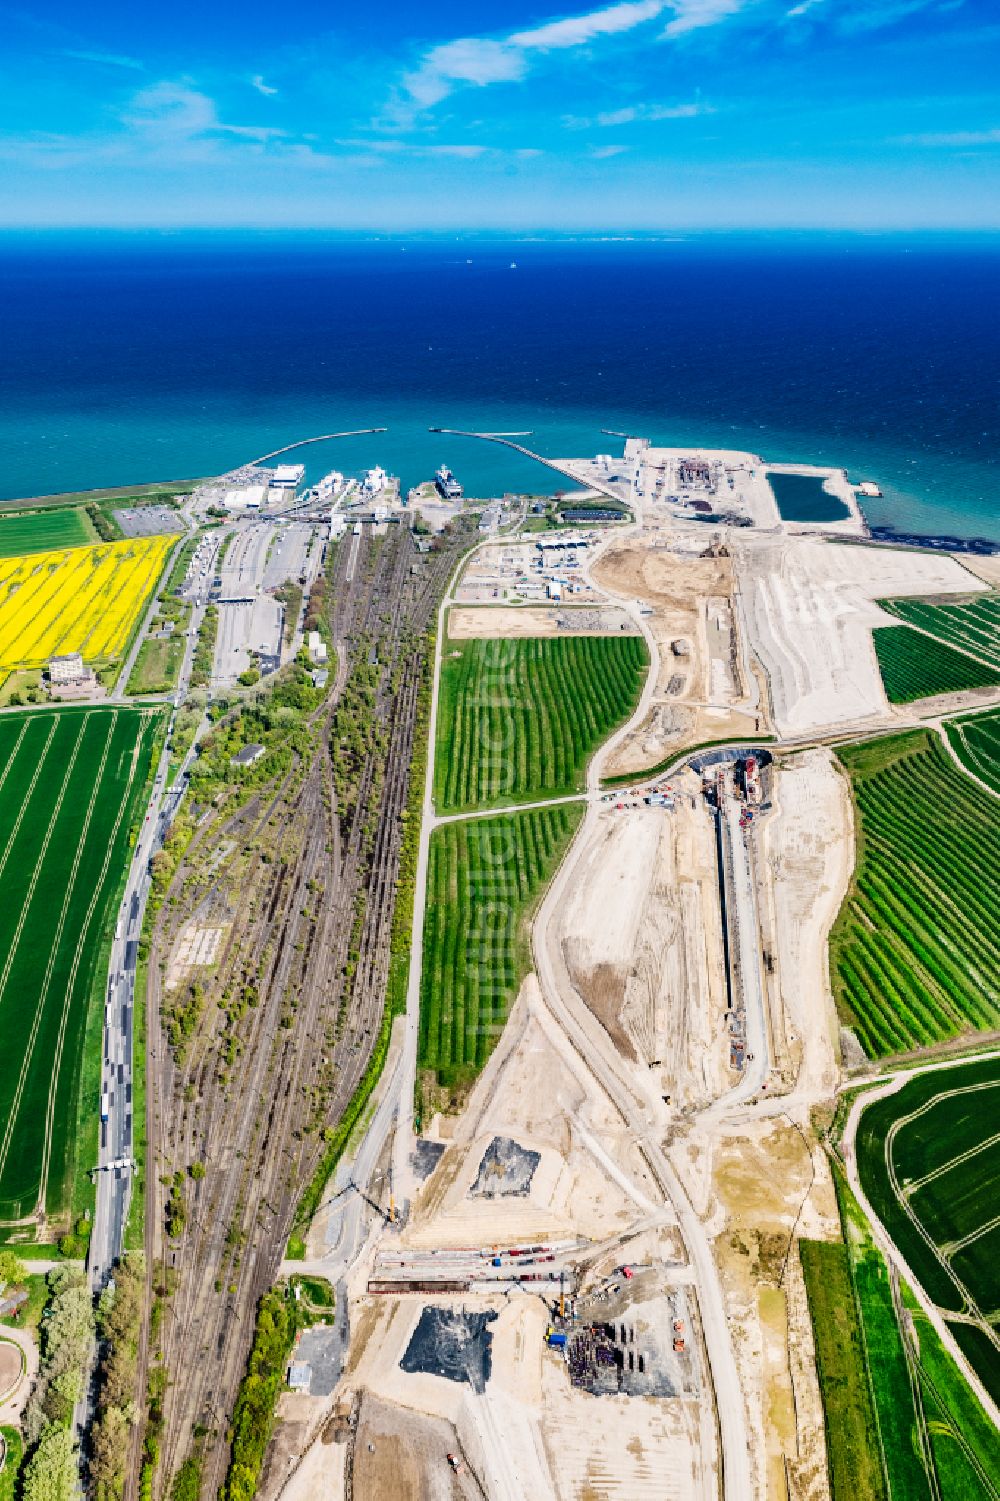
(300, 879)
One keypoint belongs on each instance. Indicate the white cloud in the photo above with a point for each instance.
(472, 60)
(693, 15)
(257, 82)
(642, 112)
(111, 59)
(171, 112)
(602, 153)
(573, 31)
(479, 61)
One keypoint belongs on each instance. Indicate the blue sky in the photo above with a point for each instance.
(639, 115)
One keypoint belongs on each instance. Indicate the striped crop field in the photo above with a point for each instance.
(82, 599)
(71, 781)
(41, 531)
(971, 624)
(975, 739)
(520, 719)
(927, 1158)
(915, 666)
(484, 880)
(915, 950)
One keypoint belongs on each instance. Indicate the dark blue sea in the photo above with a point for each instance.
(139, 358)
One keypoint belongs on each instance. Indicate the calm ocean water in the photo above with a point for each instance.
(157, 357)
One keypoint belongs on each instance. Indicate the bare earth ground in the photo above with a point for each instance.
(809, 847)
(700, 694)
(985, 568)
(401, 1455)
(527, 1092)
(514, 621)
(643, 943)
(810, 609)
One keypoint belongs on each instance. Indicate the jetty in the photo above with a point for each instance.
(559, 466)
(361, 432)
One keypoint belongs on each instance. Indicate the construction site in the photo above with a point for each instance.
(610, 1212)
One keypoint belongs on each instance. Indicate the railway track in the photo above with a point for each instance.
(249, 1093)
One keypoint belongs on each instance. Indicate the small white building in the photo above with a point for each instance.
(554, 589)
(68, 669)
(317, 646)
(338, 525)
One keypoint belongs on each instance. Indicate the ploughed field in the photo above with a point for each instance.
(81, 599)
(519, 719)
(484, 880)
(39, 531)
(70, 787)
(927, 1158)
(915, 950)
(973, 625)
(975, 738)
(915, 666)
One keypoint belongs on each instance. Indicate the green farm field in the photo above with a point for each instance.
(971, 624)
(913, 666)
(520, 719)
(852, 1437)
(901, 1420)
(40, 531)
(975, 738)
(71, 781)
(915, 950)
(484, 880)
(927, 1160)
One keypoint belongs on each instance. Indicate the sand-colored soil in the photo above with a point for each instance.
(529, 1093)
(700, 693)
(769, 1180)
(401, 1455)
(656, 1451)
(641, 934)
(810, 607)
(808, 845)
(985, 568)
(197, 947)
(489, 622)
(10, 1367)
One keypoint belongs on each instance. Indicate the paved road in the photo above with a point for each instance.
(116, 1131)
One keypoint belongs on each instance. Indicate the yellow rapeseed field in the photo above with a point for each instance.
(83, 599)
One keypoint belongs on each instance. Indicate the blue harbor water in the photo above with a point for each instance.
(801, 497)
(129, 359)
